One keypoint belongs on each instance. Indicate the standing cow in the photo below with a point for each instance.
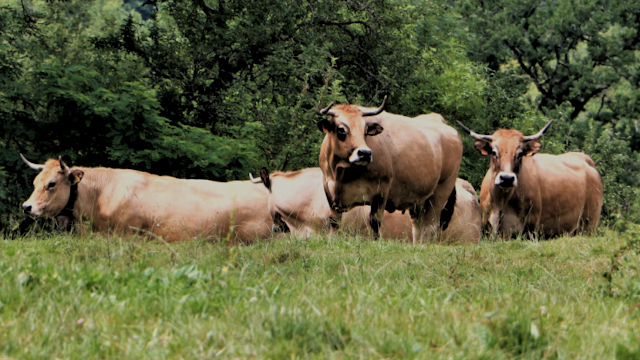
(298, 203)
(130, 201)
(392, 162)
(527, 191)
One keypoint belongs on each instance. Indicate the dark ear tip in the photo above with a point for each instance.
(264, 175)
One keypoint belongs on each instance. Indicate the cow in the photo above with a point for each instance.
(524, 191)
(390, 162)
(130, 201)
(298, 203)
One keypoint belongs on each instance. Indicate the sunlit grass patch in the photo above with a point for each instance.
(321, 297)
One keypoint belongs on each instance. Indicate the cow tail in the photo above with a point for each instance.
(447, 211)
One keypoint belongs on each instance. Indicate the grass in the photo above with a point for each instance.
(325, 297)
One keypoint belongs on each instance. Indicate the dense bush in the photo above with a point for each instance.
(208, 89)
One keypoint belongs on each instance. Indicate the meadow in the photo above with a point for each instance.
(326, 297)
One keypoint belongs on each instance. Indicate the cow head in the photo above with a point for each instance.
(51, 187)
(346, 129)
(507, 148)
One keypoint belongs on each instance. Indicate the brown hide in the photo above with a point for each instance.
(550, 194)
(299, 199)
(464, 228)
(413, 164)
(130, 201)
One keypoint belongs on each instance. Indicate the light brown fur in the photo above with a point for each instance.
(129, 201)
(415, 163)
(299, 198)
(554, 195)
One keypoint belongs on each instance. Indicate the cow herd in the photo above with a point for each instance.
(380, 174)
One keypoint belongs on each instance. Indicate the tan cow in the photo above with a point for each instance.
(526, 191)
(391, 162)
(298, 199)
(129, 201)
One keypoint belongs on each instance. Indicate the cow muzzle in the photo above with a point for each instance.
(361, 157)
(506, 180)
(31, 210)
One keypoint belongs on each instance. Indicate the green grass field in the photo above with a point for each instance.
(325, 297)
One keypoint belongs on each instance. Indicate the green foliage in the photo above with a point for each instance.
(216, 90)
(622, 276)
(207, 89)
(579, 60)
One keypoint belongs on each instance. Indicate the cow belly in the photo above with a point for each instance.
(186, 214)
(560, 222)
(561, 213)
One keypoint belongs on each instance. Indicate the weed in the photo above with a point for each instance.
(94, 296)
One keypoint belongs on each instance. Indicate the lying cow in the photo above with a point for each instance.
(130, 201)
(527, 191)
(391, 162)
(298, 200)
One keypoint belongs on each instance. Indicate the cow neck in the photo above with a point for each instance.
(68, 209)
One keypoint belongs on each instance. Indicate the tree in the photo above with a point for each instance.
(215, 90)
(580, 59)
(572, 51)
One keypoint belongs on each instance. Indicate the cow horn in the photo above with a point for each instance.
(537, 135)
(62, 165)
(255, 181)
(376, 111)
(474, 134)
(326, 111)
(31, 165)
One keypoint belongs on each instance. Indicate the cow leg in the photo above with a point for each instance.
(427, 220)
(377, 212)
(494, 220)
(590, 218)
(334, 222)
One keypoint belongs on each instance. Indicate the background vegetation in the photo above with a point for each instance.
(217, 89)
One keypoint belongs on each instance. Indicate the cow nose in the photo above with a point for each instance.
(364, 154)
(506, 180)
(26, 208)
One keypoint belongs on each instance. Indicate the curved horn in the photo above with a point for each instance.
(326, 111)
(474, 134)
(539, 134)
(62, 167)
(30, 164)
(255, 181)
(376, 111)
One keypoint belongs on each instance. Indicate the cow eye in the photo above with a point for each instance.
(342, 133)
(51, 185)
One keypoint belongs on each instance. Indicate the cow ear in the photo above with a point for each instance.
(374, 129)
(327, 125)
(483, 147)
(75, 176)
(531, 148)
(264, 175)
